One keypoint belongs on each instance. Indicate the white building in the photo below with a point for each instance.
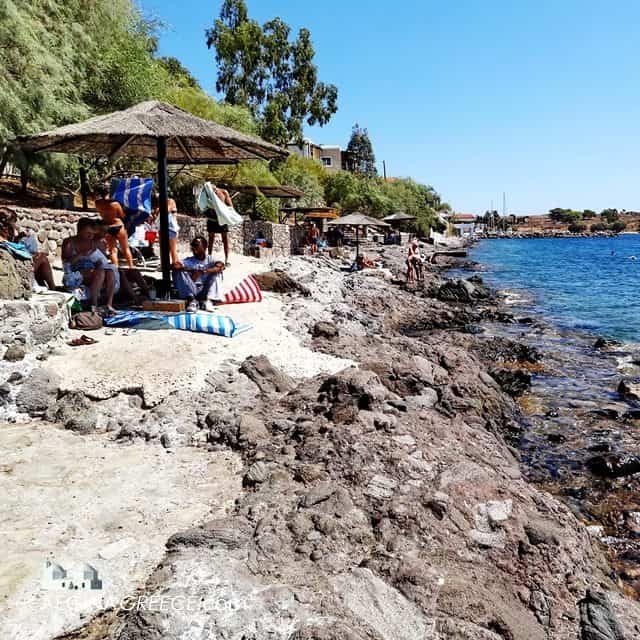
(56, 578)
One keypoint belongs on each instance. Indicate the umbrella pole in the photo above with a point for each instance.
(357, 243)
(164, 214)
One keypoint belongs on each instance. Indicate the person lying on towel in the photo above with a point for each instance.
(199, 277)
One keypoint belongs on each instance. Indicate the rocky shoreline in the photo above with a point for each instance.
(385, 501)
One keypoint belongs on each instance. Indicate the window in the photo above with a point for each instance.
(327, 161)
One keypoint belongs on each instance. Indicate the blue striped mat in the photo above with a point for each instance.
(200, 322)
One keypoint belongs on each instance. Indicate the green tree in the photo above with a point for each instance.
(577, 227)
(361, 158)
(259, 67)
(305, 174)
(178, 72)
(610, 215)
(618, 226)
(597, 227)
(587, 214)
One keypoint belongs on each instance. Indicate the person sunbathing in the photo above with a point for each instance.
(86, 267)
(113, 215)
(198, 278)
(28, 246)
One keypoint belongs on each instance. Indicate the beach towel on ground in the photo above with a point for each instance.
(207, 200)
(247, 291)
(199, 322)
(134, 194)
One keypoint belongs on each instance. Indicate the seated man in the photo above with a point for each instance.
(112, 214)
(198, 278)
(26, 247)
(85, 266)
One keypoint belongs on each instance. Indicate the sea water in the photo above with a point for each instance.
(590, 284)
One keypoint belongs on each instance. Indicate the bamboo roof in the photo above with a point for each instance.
(134, 132)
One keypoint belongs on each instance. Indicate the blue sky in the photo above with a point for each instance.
(476, 97)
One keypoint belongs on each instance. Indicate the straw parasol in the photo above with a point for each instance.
(399, 217)
(156, 131)
(358, 220)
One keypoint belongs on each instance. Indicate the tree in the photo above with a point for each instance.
(610, 215)
(598, 227)
(361, 158)
(588, 214)
(260, 68)
(618, 226)
(577, 227)
(178, 72)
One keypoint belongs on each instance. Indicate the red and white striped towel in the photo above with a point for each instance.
(247, 291)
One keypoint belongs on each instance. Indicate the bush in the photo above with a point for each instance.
(598, 227)
(618, 226)
(577, 227)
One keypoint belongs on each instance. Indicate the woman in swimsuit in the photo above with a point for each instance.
(113, 215)
(174, 228)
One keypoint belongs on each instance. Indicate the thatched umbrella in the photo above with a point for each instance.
(399, 217)
(358, 220)
(156, 131)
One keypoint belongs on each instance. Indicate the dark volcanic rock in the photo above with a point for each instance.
(614, 465)
(280, 282)
(15, 352)
(265, 375)
(597, 619)
(629, 389)
(38, 392)
(324, 330)
(512, 381)
(460, 291)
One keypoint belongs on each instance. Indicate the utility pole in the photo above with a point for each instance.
(504, 204)
(384, 170)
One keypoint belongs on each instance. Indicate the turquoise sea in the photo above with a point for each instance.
(590, 284)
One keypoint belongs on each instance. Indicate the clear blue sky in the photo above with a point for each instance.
(476, 97)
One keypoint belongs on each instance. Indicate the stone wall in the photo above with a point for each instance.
(15, 277)
(242, 237)
(32, 323)
(50, 226)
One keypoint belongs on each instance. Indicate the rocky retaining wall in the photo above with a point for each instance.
(241, 237)
(50, 226)
(30, 323)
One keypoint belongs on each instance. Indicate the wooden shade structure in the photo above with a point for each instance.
(155, 131)
(358, 220)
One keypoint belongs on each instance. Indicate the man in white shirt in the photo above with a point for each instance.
(199, 277)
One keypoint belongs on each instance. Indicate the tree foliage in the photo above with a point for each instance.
(361, 158)
(610, 215)
(261, 68)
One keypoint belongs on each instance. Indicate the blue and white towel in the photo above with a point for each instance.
(200, 322)
(134, 194)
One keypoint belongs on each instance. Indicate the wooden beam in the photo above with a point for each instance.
(121, 147)
(182, 146)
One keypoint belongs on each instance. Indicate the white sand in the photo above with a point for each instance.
(160, 361)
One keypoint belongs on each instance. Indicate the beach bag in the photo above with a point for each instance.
(86, 321)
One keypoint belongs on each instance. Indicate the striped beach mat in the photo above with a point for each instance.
(200, 322)
(247, 291)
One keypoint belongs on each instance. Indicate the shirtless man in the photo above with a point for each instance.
(85, 264)
(213, 226)
(314, 236)
(113, 215)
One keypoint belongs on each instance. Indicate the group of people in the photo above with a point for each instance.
(91, 262)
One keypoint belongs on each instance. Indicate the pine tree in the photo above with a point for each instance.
(361, 158)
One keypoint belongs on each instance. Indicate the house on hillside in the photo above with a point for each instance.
(332, 157)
